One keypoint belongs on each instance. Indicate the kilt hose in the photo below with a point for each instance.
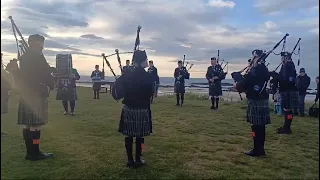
(179, 87)
(33, 112)
(135, 122)
(96, 86)
(68, 95)
(290, 99)
(258, 112)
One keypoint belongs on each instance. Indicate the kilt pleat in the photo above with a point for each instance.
(290, 100)
(33, 112)
(70, 95)
(258, 112)
(179, 87)
(215, 89)
(135, 122)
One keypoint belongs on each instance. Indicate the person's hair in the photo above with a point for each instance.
(127, 60)
(151, 62)
(96, 65)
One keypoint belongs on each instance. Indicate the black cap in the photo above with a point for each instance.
(139, 56)
(179, 62)
(127, 60)
(213, 58)
(257, 52)
(249, 60)
(35, 37)
(97, 65)
(285, 54)
(302, 70)
(150, 61)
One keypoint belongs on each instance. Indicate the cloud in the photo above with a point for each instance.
(221, 4)
(170, 29)
(91, 36)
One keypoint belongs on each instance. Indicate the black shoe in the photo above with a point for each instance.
(140, 163)
(177, 104)
(72, 113)
(39, 156)
(302, 115)
(130, 164)
(254, 153)
(213, 108)
(94, 98)
(283, 130)
(3, 134)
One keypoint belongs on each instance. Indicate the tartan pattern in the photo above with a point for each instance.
(290, 99)
(179, 87)
(258, 112)
(96, 86)
(33, 112)
(4, 106)
(215, 89)
(71, 95)
(135, 122)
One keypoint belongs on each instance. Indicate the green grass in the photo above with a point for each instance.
(189, 142)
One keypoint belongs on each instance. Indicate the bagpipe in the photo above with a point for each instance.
(22, 45)
(118, 91)
(238, 77)
(185, 71)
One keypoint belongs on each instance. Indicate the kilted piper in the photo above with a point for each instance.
(33, 82)
(258, 114)
(96, 77)
(288, 90)
(136, 89)
(214, 75)
(6, 84)
(180, 74)
(68, 92)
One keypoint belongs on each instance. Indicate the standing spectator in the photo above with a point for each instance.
(317, 95)
(303, 82)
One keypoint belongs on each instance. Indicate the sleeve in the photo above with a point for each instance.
(308, 82)
(317, 94)
(176, 73)
(242, 85)
(207, 74)
(45, 72)
(91, 75)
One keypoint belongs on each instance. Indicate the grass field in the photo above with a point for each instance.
(189, 142)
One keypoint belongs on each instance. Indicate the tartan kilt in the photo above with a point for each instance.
(215, 89)
(135, 122)
(33, 112)
(4, 105)
(69, 95)
(96, 86)
(258, 112)
(290, 99)
(179, 87)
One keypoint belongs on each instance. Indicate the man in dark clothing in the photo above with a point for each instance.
(180, 74)
(288, 90)
(34, 79)
(303, 82)
(154, 74)
(127, 67)
(136, 88)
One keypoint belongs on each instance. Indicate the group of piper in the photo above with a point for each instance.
(136, 87)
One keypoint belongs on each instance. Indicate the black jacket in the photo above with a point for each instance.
(138, 86)
(302, 83)
(154, 74)
(215, 71)
(317, 95)
(287, 77)
(255, 82)
(126, 69)
(34, 75)
(183, 72)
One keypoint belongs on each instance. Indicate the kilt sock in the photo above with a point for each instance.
(212, 102)
(260, 138)
(217, 102)
(98, 94)
(288, 119)
(94, 94)
(138, 149)
(72, 105)
(178, 98)
(65, 105)
(27, 142)
(254, 137)
(182, 98)
(35, 138)
(128, 144)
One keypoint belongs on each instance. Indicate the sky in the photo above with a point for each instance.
(170, 29)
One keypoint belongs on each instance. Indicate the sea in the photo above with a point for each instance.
(85, 81)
